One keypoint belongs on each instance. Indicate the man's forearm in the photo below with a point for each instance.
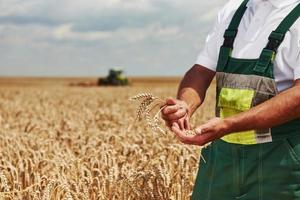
(278, 110)
(193, 86)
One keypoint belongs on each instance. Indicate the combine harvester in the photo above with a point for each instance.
(114, 78)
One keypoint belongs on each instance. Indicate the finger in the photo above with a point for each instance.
(206, 137)
(171, 101)
(198, 130)
(176, 129)
(171, 117)
(203, 129)
(164, 117)
(199, 140)
(202, 139)
(174, 124)
(181, 124)
(187, 123)
(168, 124)
(177, 115)
(180, 134)
(170, 109)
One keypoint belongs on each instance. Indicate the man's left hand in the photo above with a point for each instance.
(208, 132)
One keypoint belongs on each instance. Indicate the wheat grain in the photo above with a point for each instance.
(4, 181)
(142, 96)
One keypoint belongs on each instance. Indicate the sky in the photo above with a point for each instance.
(88, 37)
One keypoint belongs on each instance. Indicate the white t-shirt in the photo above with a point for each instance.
(259, 20)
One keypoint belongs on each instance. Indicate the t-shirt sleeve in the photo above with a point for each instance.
(295, 63)
(297, 68)
(208, 57)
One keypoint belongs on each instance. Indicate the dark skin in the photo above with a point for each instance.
(280, 109)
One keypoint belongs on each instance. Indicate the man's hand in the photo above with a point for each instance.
(208, 132)
(191, 92)
(176, 111)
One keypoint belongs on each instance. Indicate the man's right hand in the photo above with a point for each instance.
(176, 111)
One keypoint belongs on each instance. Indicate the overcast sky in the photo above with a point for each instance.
(87, 37)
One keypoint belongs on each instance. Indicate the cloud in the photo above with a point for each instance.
(72, 34)
(153, 31)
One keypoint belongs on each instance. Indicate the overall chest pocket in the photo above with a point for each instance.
(233, 101)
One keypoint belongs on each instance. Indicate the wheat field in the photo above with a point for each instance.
(60, 142)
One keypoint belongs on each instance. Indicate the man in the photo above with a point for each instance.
(254, 52)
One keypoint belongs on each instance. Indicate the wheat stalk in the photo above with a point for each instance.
(70, 144)
(147, 103)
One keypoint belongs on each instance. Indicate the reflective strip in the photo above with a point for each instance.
(264, 137)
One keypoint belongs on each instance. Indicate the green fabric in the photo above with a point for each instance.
(277, 36)
(268, 171)
(289, 20)
(230, 34)
(224, 56)
(237, 17)
(243, 66)
(265, 60)
(275, 39)
(286, 129)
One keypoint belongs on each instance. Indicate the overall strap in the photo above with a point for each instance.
(275, 39)
(229, 36)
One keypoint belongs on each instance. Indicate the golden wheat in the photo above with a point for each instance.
(148, 102)
(73, 143)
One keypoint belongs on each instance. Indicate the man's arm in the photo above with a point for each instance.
(194, 85)
(191, 94)
(278, 110)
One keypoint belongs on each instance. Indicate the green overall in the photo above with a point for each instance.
(257, 164)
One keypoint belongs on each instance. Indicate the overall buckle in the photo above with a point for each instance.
(275, 39)
(268, 54)
(229, 37)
